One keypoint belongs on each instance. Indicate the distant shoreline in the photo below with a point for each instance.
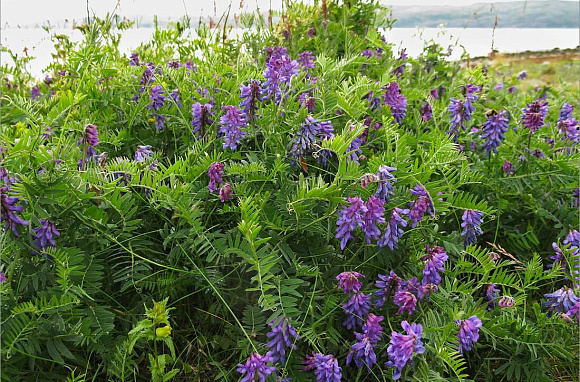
(556, 54)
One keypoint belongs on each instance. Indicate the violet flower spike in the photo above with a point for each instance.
(231, 125)
(394, 230)
(254, 367)
(281, 336)
(45, 234)
(201, 118)
(374, 214)
(349, 282)
(396, 101)
(363, 351)
(251, 95)
(356, 310)
(215, 172)
(560, 301)
(349, 217)
(422, 206)
(534, 114)
(385, 185)
(386, 284)
(325, 367)
(403, 346)
(471, 226)
(468, 333)
(494, 130)
(226, 192)
(436, 257)
(143, 153)
(565, 112)
(9, 212)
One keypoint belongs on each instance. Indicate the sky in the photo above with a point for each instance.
(26, 12)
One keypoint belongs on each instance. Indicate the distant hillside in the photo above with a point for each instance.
(516, 14)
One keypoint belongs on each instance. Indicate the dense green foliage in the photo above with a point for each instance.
(154, 278)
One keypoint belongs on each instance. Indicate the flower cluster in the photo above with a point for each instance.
(279, 71)
(386, 284)
(435, 257)
(231, 124)
(421, 206)
(403, 346)
(201, 118)
(534, 114)
(255, 366)
(560, 301)
(282, 336)
(396, 101)
(325, 367)
(356, 309)
(311, 131)
(143, 153)
(251, 94)
(386, 180)
(215, 172)
(471, 226)
(373, 215)
(394, 229)
(349, 218)
(45, 234)
(363, 351)
(349, 282)
(10, 210)
(494, 130)
(468, 333)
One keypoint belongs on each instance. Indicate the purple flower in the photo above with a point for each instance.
(374, 214)
(201, 118)
(402, 347)
(521, 75)
(9, 211)
(157, 98)
(506, 302)
(325, 367)
(310, 131)
(143, 153)
(436, 257)
(281, 336)
(35, 92)
(560, 301)
(468, 332)
(349, 282)
(471, 226)
(426, 112)
(349, 217)
(458, 114)
(45, 234)
(367, 179)
(215, 172)
(494, 130)
(356, 309)
(435, 93)
(386, 284)
(91, 135)
(512, 89)
(231, 127)
(250, 95)
(363, 351)
(226, 193)
(423, 205)
(498, 87)
(307, 101)
(533, 115)
(159, 122)
(508, 167)
(279, 71)
(491, 293)
(565, 112)
(396, 101)
(354, 150)
(2, 277)
(385, 186)
(398, 71)
(394, 229)
(573, 311)
(405, 300)
(176, 97)
(134, 61)
(367, 53)
(569, 127)
(306, 60)
(174, 64)
(311, 32)
(254, 367)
